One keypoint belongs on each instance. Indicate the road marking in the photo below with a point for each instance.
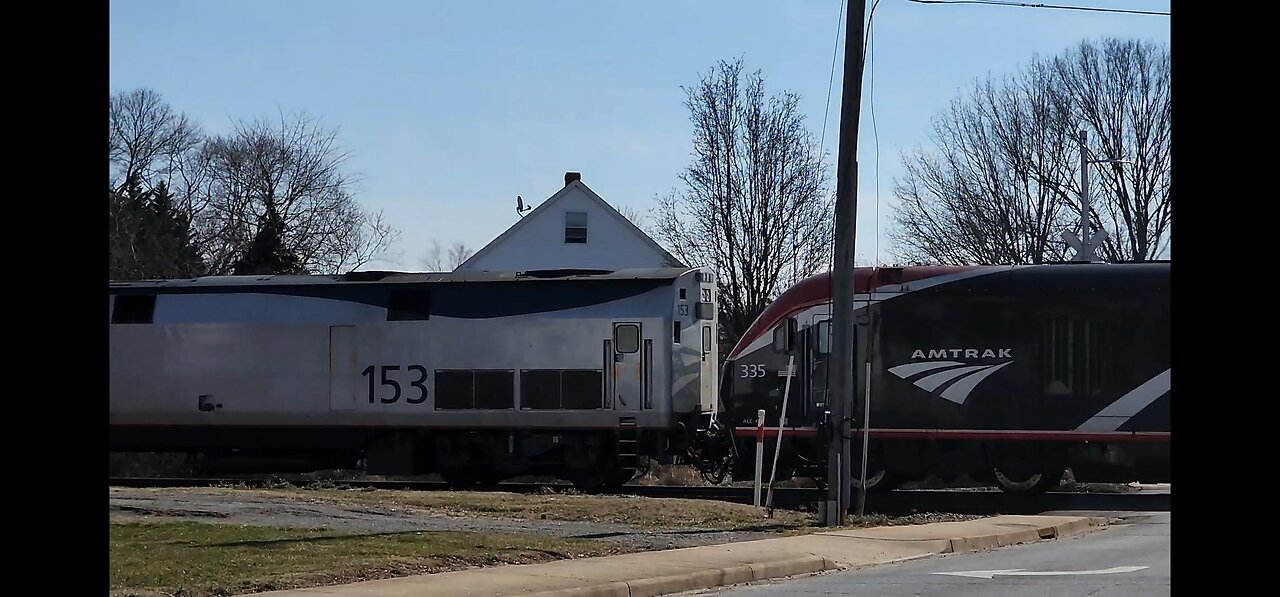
(1023, 572)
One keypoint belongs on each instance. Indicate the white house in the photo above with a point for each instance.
(574, 228)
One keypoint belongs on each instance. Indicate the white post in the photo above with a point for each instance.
(782, 421)
(1086, 252)
(866, 438)
(1085, 206)
(1087, 243)
(759, 454)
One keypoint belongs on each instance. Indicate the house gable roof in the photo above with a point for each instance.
(609, 209)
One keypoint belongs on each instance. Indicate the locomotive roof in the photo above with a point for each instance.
(816, 289)
(392, 277)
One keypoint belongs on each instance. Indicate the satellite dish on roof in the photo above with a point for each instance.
(521, 207)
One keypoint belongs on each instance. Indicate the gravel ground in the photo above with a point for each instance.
(192, 504)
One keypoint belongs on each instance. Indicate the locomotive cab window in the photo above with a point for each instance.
(133, 309)
(783, 335)
(408, 305)
(706, 339)
(823, 340)
(626, 338)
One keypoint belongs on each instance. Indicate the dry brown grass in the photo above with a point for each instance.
(195, 559)
(634, 511)
(672, 474)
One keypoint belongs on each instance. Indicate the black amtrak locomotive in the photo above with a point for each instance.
(1007, 374)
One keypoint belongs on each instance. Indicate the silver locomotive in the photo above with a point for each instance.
(475, 376)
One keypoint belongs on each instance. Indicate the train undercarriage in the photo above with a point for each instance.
(595, 459)
(1013, 467)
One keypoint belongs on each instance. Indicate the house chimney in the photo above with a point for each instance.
(571, 176)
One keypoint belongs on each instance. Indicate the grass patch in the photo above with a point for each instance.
(196, 559)
(641, 512)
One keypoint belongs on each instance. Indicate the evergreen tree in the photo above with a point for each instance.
(150, 237)
(267, 253)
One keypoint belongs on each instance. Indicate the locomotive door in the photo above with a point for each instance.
(627, 373)
(818, 351)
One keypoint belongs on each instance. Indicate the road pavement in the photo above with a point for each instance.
(1128, 559)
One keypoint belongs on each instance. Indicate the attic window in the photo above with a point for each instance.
(575, 227)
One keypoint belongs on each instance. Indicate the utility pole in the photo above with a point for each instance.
(839, 469)
(1085, 206)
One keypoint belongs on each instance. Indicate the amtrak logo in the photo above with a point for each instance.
(963, 378)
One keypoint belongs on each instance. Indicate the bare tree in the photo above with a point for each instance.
(996, 190)
(1003, 183)
(148, 138)
(754, 206)
(635, 216)
(151, 150)
(227, 186)
(154, 146)
(295, 168)
(1119, 91)
(438, 259)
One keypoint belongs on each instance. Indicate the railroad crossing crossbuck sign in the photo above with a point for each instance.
(1085, 252)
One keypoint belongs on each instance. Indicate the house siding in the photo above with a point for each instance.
(540, 242)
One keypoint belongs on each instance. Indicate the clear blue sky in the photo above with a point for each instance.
(451, 108)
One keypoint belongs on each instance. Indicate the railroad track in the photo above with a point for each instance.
(895, 503)
(994, 501)
(787, 496)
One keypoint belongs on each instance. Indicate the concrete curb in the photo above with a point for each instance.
(711, 578)
(755, 561)
(1079, 527)
(1030, 535)
(701, 579)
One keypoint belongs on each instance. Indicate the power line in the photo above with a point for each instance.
(830, 79)
(1020, 4)
(827, 108)
(871, 15)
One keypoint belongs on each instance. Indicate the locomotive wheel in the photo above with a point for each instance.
(878, 481)
(1035, 483)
